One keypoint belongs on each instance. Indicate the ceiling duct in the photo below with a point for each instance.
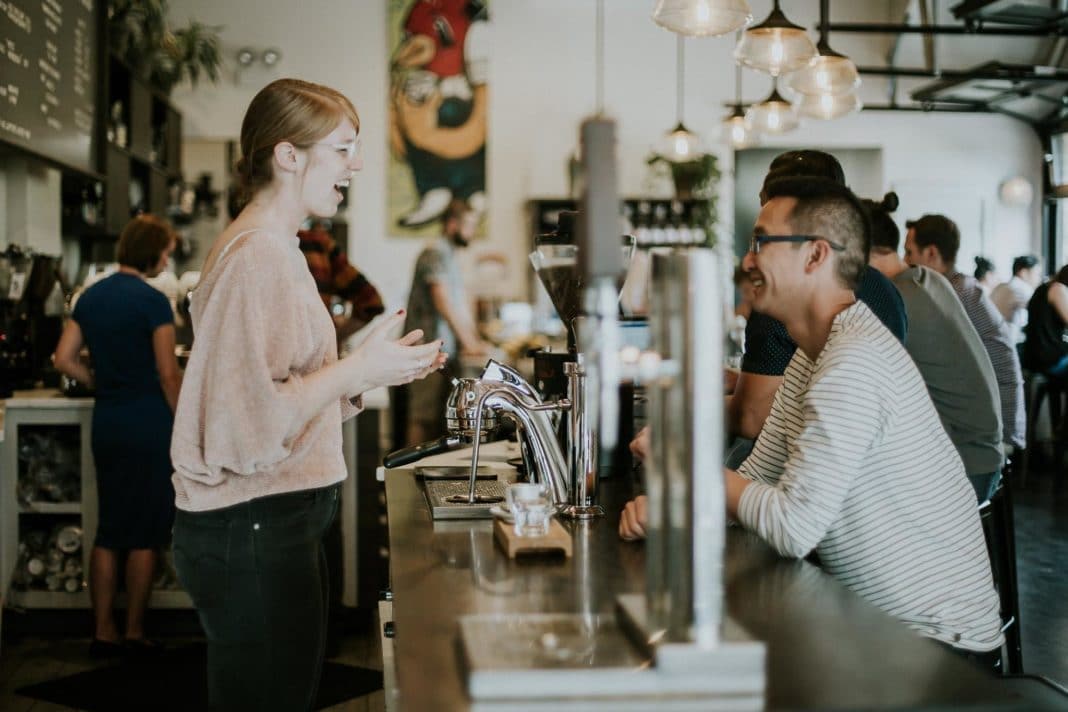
(1037, 14)
(1034, 94)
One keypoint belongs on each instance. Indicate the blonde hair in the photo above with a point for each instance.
(286, 110)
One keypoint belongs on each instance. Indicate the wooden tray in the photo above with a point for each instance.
(556, 541)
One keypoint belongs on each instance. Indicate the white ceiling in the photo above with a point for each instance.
(953, 52)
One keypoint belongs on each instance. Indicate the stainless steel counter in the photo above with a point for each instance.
(827, 648)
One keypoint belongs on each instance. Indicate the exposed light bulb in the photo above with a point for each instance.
(777, 51)
(703, 12)
(682, 145)
(773, 120)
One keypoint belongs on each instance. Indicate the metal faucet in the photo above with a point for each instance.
(475, 408)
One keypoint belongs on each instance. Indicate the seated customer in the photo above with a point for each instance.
(853, 462)
(933, 241)
(768, 347)
(1011, 298)
(1046, 348)
(947, 350)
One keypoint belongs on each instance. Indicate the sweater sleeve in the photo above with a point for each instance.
(840, 418)
(245, 393)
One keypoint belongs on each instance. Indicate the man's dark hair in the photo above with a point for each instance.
(937, 230)
(1023, 262)
(831, 211)
(808, 162)
(456, 209)
(885, 235)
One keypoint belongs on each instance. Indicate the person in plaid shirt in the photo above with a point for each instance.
(337, 279)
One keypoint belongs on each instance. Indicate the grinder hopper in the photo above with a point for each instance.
(555, 261)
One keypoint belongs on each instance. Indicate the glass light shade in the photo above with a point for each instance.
(828, 106)
(702, 18)
(680, 145)
(737, 132)
(775, 46)
(826, 74)
(774, 115)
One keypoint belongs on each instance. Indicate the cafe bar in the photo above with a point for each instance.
(533, 355)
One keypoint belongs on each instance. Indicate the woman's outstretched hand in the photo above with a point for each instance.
(391, 362)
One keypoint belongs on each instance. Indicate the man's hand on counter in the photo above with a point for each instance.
(632, 521)
(640, 446)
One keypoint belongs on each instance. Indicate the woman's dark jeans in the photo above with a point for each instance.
(257, 575)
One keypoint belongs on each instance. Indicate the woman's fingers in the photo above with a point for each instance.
(411, 338)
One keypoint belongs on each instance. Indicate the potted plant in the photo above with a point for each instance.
(140, 35)
(695, 180)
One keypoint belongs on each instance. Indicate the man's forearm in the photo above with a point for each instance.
(734, 486)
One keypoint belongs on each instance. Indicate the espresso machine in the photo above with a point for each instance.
(31, 318)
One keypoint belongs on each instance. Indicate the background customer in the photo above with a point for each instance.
(129, 329)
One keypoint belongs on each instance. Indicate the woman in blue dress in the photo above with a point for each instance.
(128, 327)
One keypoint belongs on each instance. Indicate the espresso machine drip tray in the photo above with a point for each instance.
(441, 493)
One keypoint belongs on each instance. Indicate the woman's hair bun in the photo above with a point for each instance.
(890, 202)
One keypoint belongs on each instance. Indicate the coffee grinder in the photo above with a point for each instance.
(555, 261)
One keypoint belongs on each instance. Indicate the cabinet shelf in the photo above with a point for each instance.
(50, 508)
(48, 599)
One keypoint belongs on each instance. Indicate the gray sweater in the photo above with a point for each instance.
(955, 366)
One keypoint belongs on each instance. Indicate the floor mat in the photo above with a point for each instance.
(177, 681)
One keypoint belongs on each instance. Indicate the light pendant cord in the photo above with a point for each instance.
(737, 73)
(680, 72)
(600, 57)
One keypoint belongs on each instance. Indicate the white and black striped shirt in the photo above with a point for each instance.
(854, 463)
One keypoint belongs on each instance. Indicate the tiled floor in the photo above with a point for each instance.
(1041, 509)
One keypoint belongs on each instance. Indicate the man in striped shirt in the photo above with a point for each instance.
(933, 242)
(853, 461)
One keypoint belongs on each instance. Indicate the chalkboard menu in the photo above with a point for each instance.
(49, 77)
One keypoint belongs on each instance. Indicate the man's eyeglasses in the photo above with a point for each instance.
(351, 149)
(756, 241)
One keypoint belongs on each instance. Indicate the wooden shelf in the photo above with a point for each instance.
(51, 508)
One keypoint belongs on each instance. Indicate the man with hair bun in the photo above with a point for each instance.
(948, 352)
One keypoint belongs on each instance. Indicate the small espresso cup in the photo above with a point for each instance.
(531, 508)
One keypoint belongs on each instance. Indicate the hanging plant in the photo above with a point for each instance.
(139, 34)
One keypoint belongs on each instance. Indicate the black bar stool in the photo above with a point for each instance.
(999, 530)
(1039, 387)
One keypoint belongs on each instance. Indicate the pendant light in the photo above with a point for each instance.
(774, 115)
(829, 106)
(702, 18)
(775, 46)
(830, 72)
(737, 131)
(680, 144)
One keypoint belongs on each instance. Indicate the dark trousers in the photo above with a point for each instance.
(258, 578)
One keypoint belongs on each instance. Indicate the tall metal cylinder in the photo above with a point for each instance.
(684, 478)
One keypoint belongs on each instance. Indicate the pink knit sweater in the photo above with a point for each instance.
(260, 327)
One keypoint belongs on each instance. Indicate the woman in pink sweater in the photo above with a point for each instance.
(257, 434)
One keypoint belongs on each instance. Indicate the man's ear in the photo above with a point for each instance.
(820, 253)
(285, 156)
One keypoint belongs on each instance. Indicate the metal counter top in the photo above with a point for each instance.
(827, 648)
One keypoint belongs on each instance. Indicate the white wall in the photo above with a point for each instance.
(542, 85)
(30, 214)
